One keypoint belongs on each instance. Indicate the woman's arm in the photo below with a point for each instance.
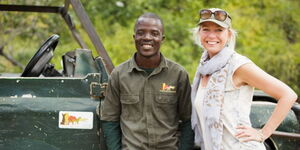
(254, 76)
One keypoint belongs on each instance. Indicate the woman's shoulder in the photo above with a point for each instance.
(238, 60)
(238, 57)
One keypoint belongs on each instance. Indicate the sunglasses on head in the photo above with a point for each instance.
(218, 15)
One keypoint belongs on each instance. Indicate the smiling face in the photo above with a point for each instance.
(148, 36)
(213, 37)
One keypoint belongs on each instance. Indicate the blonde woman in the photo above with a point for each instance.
(223, 88)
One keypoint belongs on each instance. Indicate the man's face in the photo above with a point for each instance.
(148, 36)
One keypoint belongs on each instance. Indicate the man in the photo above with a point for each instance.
(147, 104)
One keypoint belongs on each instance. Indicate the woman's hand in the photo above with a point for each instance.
(246, 134)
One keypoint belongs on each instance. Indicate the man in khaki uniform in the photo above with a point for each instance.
(147, 105)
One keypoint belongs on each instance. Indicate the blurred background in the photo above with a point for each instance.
(268, 32)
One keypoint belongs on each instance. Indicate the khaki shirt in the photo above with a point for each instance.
(149, 107)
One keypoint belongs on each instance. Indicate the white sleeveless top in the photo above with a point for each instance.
(235, 111)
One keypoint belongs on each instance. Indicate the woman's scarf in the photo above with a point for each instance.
(216, 63)
(217, 67)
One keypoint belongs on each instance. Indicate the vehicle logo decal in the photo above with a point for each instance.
(75, 120)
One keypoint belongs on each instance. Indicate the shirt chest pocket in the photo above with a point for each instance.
(131, 107)
(166, 98)
(166, 106)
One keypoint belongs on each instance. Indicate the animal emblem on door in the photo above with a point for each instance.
(68, 119)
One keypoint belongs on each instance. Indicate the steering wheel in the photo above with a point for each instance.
(41, 58)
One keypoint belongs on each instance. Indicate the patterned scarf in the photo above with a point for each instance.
(217, 67)
(216, 63)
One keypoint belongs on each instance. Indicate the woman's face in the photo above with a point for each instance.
(213, 37)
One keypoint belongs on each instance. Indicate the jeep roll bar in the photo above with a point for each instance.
(63, 11)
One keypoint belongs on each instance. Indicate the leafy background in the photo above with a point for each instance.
(268, 32)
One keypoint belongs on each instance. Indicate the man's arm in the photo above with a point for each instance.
(186, 139)
(110, 114)
(112, 134)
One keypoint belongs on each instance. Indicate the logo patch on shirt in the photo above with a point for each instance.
(167, 88)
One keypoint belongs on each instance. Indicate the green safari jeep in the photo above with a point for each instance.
(44, 108)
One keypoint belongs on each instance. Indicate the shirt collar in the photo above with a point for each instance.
(133, 65)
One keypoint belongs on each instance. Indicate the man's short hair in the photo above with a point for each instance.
(150, 15)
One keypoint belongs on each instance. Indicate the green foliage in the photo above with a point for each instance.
(268, 32)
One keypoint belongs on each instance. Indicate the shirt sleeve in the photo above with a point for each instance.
(184, 97)
(112, 134)
(111, 107)
(186, 139)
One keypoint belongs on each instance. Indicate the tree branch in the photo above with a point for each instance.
(10, 58)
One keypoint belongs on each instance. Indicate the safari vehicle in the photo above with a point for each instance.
(44, 108)
(287, 135)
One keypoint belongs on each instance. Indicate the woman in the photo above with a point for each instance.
(223, 88)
